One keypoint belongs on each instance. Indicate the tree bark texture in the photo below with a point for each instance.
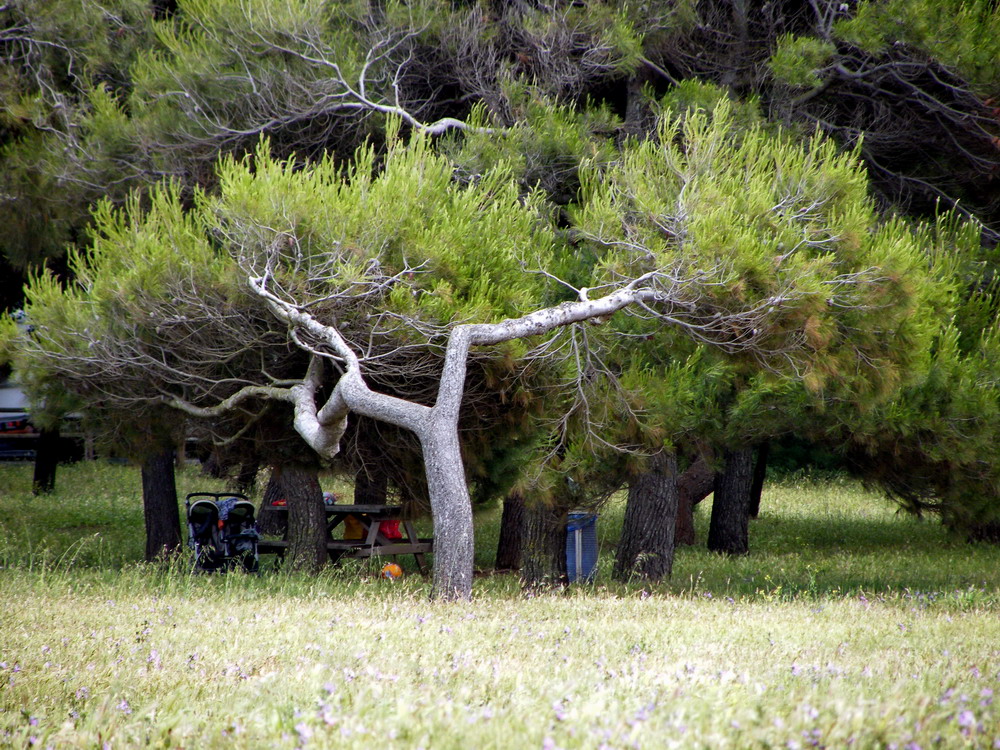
(693, 486)
(646, 546)
(245, 480)
(543, 556)
(159, 505)
(451, 511)
(306, 518)
(511, 539)
(269, 520)
(728, 530)
(46, 461)
(759, 475)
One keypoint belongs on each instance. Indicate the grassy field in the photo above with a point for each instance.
(847, 626)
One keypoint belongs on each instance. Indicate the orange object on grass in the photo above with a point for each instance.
(391, 571)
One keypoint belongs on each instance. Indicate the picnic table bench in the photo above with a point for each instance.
(373, 544)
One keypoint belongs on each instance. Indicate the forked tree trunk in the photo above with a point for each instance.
(693, 486)
(543, 555)
(306, 518)
(646, 547)
(759, 475)
(322, 427)
(46, 462)
(511, 539)
(159, 506)
(728, 531)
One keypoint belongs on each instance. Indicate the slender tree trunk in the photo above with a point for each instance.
(46, 461)
(693, 486)
(543, 557)
(213, 467)
(728, 531)
(306, 518)
(511, 533)
(759, 475)
(646, 547)
(451, 510)
(159, 505)
(180, 454)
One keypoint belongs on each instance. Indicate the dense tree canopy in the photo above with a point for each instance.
(267, 254)
(383, 290)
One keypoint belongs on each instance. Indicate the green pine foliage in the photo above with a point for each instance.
(754, 214)
(961, 34)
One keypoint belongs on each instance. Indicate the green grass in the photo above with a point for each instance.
(847, 626)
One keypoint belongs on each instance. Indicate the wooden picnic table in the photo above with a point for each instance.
(373, 544)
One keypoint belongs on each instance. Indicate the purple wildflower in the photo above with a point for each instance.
(966, 719)
(304, 731)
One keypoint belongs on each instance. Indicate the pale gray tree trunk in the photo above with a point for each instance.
(451, 510)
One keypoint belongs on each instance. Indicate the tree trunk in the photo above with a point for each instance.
(511, 533)
(639, 118)
(46, 460)
(728, 531)
(159, 506)
(646, 547)
(306, 518)
(451, 510)
(988, 531)
(693, 486)
(271, 521)
(543, 557)
(246, 478)
(759, 475)
(371, 486)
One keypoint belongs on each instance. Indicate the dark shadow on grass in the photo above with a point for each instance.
(847, 535)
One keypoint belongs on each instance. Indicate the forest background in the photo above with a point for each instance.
(796, 201)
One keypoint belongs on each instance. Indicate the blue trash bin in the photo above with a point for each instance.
(581, 546)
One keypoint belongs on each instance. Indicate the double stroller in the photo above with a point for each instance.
(222, 531)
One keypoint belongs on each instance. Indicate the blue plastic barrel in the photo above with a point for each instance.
(581, 546)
